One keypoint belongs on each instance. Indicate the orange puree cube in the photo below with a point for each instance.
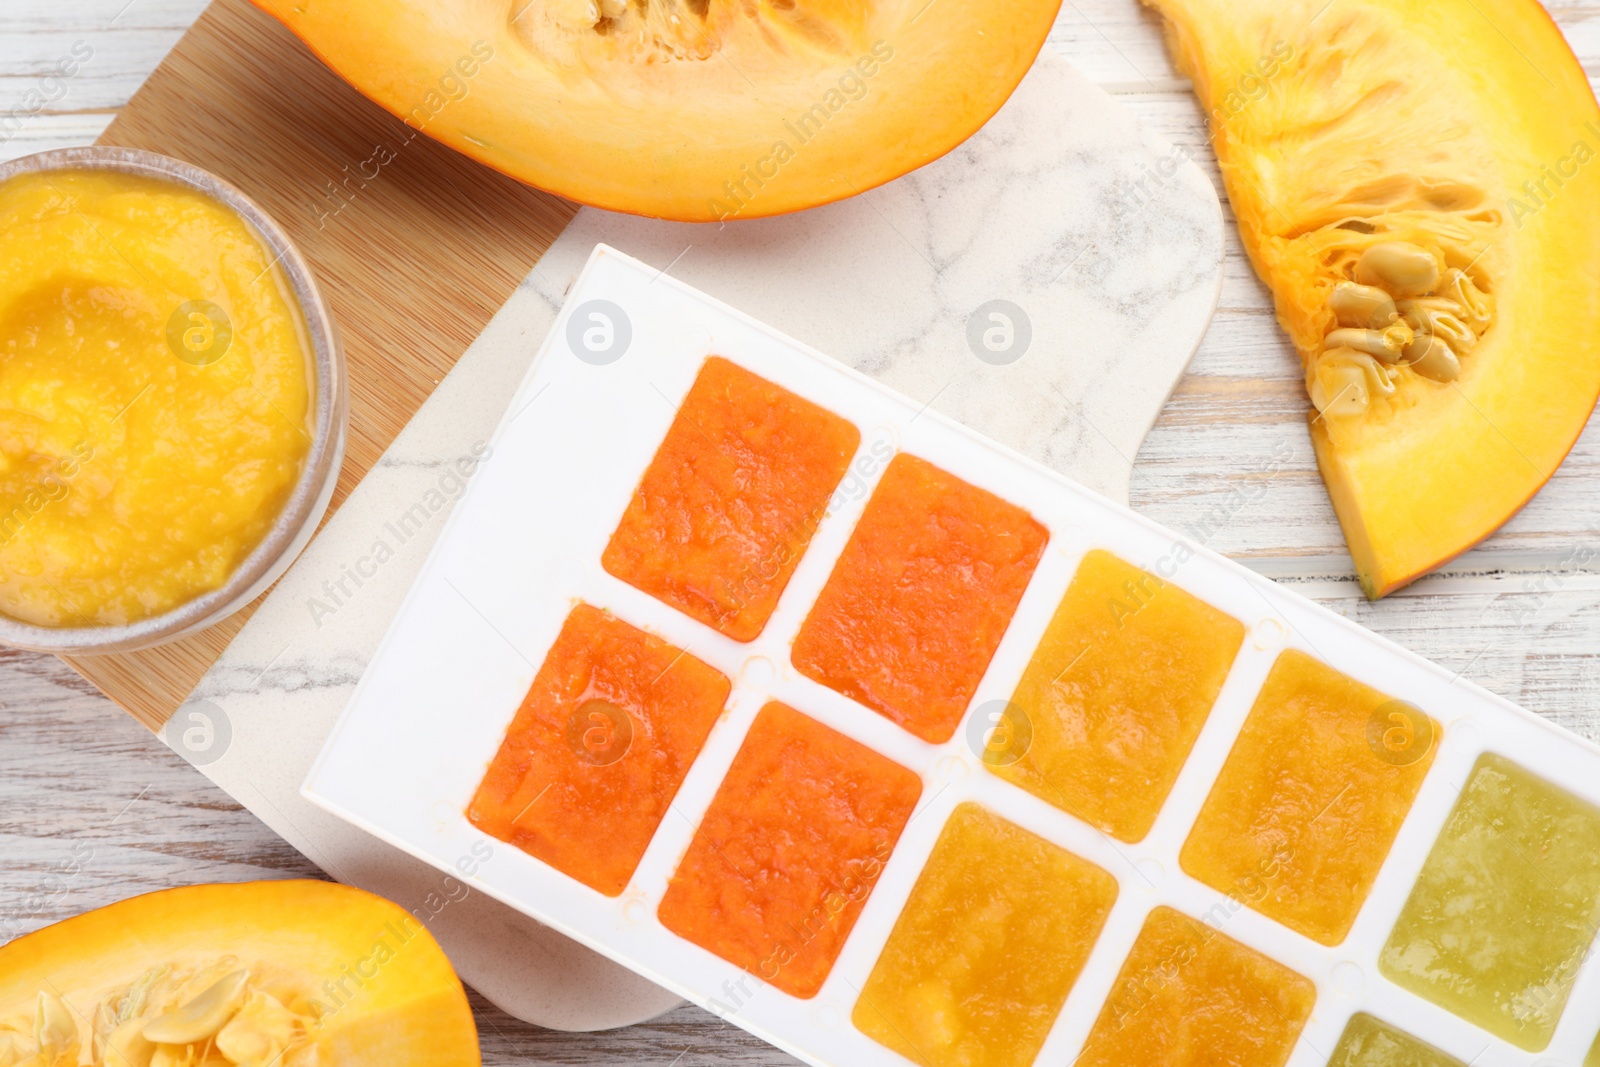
(729, 504)
(1115, 696)
(920, 598)
(598, 749)
(790, 847)
(998, 927)
(1309, 801)
(1189, 996)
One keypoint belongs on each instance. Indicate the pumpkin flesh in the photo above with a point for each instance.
(692, 110)
(1462, 128)
(333, 977)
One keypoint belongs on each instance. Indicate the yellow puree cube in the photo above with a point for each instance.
(1115, 696)
(997, 929)
(1190, 996)
(1309, 801)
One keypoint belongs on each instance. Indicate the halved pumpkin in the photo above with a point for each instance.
(685, 109)
(1414, 180)
(259, 974)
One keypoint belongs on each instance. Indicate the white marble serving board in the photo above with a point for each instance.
(1105, 246)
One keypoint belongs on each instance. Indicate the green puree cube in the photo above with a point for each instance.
(1370, 1043)
(1506, 907)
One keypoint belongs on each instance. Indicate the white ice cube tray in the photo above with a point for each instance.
(524, 545)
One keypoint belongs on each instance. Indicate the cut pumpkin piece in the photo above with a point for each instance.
(692, 110)
(1414, 180)
(257, 974)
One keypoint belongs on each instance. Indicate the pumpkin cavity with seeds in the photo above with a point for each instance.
(1381, 215)
(1402, 313)
(171, 1016)
(1449, 334)
(253, 974)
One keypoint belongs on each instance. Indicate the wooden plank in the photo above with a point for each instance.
(415, 246)
(118, 44)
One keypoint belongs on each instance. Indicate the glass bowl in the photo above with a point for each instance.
(308, 502)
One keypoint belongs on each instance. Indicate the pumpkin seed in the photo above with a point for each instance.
(1379, 379)
(55, 1031)
(1340, 384)
(1399, 267)
(126, 1046)
(1435, 317)
(201, 1017)
(173, 1056)
(1362, 305)
(1475, 306)
(1432, 358)
(258, 1034)
(1386, 344)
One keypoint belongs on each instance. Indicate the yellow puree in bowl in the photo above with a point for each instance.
(155, 405)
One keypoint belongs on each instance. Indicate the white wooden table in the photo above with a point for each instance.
(93, 809)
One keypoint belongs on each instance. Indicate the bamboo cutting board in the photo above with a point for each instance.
(243, 98)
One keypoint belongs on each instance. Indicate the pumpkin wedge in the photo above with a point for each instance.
(692, 110)
(1415, 181)
(258, 974)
